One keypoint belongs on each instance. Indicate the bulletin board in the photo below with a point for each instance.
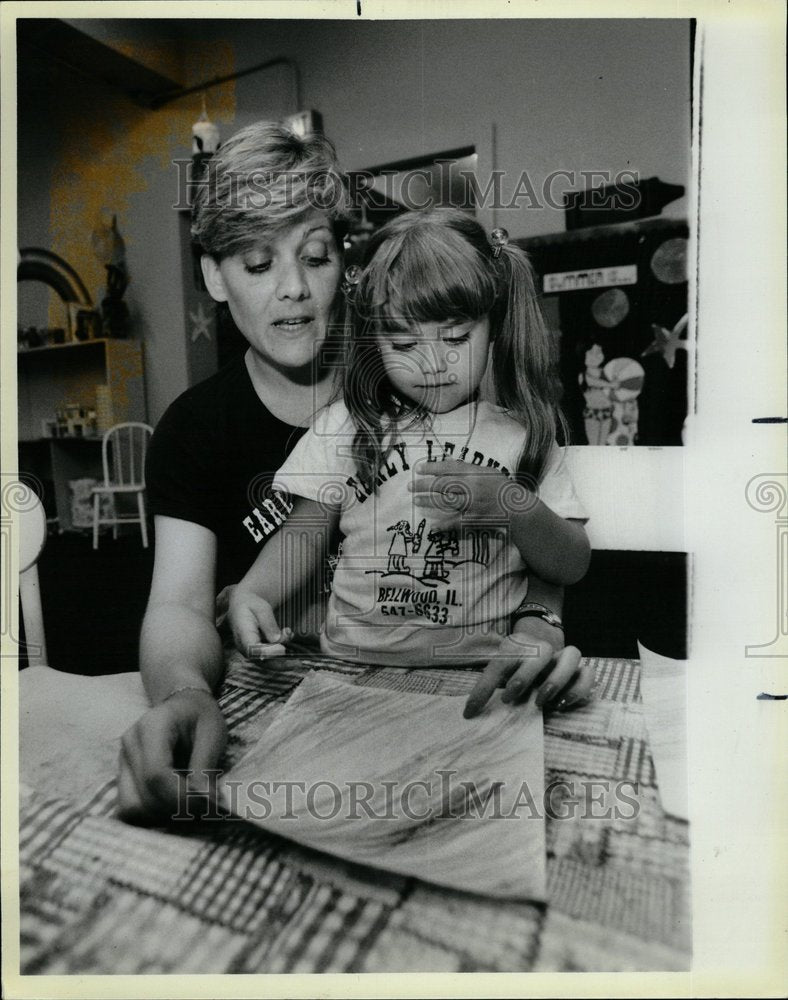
(616, 298)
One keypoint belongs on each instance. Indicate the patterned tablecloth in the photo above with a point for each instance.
(99, 896)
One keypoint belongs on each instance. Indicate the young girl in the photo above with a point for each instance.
(445, 501)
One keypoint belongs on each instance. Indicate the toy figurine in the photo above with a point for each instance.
(114, 311)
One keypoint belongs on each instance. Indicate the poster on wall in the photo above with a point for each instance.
(618, 296)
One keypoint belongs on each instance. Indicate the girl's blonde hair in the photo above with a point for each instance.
(260, 182)
(435, 265)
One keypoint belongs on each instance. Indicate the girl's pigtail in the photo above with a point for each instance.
(523, 370)
(335, 349)
(365, 392)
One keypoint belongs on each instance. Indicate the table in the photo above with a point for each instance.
(102, 897)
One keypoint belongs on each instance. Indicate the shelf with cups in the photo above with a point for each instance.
(69, 395)
(66, 344)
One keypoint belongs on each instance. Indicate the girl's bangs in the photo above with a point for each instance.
(428, 279)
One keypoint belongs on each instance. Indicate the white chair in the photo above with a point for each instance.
(32, 538)
(128, 443)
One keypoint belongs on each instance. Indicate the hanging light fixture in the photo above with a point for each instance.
(205, 134)
(205, 142)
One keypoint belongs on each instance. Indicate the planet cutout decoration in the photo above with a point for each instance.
(610, 308)
(669, 261)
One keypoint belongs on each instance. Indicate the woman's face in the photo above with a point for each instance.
(281, 292)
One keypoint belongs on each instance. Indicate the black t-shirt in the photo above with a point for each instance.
(211, 461)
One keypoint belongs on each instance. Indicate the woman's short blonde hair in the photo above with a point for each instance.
(260, 182)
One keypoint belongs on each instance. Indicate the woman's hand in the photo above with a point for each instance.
(532, 658)
(254, 627)
(186, 731)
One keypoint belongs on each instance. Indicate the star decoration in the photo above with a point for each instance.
(667, 342)
(201, 324)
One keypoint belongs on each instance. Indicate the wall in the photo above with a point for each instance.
(571, 95)
(594, 95)
(34, 151)
(91, 149)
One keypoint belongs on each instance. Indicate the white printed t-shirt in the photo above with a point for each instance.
(405, 591)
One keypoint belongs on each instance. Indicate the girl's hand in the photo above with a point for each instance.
(223, 603)
(533, 658)
(455, 491)
(254, 627)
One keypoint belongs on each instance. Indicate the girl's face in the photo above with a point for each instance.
(437, 365)
(280, 293)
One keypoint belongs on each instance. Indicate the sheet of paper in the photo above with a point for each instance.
(402, 782)
(70, 727)
(663, 687)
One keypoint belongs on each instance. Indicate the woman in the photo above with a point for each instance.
(270, 220)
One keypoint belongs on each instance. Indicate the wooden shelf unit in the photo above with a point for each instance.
(60, 374)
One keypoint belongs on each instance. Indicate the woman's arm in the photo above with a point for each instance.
(179, 644)
(181, 664)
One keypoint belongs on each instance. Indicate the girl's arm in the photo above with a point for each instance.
(555, 548)
(290, 560)
(534, 655)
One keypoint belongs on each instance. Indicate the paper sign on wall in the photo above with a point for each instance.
(595, 277)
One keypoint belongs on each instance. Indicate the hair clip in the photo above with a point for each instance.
(352, 278)
(498, 240)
